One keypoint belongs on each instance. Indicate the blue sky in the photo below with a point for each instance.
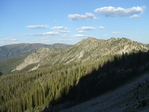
(70, 21)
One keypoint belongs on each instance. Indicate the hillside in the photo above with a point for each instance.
(55, 79)
(7, 65)
(87, 49)
(15, 50)
(36, 57)
(131, 97)
(13, 55)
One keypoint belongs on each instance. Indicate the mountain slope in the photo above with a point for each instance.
(131, 97)
(67, 83)
(15, 50)
(87, 49)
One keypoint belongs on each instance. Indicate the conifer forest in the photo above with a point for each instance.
(70, 83)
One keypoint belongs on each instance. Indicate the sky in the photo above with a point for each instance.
(70, 21)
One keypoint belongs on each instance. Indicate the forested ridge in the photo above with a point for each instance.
(70, 83)
(42, 88)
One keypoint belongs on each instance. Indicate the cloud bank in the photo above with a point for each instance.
(87, 16)
(120, 12)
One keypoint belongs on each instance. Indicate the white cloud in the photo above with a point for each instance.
(120, 12)
(87, 16)
(59, 31)
(134, 16)
(38, 26)
(62, 31)
(101, 27)
(51, 33)
(47, 34)
(105, 35)
(81, 35)
(84, 29)
(59, 27)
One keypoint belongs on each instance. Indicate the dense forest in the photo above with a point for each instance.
(70, 83)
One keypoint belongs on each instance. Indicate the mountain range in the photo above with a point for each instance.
(85, 50)
(54, 77)
(32, 56)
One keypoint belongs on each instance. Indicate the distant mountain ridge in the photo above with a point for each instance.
(15, 50)
(85, 50)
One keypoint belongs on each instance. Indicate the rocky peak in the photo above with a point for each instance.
(87, 44)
